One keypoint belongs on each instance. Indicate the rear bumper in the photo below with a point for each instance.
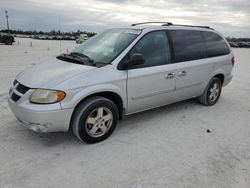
(55, 120)
(227, 79)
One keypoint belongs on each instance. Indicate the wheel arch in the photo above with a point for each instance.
(220, 73)
(111, 94)
(221, 77)
(114, 97)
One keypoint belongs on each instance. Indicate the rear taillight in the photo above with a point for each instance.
(233, 61)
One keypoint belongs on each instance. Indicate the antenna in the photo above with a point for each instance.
(59, 24)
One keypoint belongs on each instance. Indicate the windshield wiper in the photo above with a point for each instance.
(80, 55)
(74, 59)
(89, 59)
(79, 58)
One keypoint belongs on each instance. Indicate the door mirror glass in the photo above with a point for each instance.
(135, 59)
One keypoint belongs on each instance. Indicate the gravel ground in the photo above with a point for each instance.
(164, 147)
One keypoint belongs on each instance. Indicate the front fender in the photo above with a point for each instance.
(75, 96)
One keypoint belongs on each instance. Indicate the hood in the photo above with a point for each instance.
(50, 74)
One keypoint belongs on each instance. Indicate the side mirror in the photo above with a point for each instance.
(135, 59)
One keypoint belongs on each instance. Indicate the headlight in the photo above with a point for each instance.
(46, 96)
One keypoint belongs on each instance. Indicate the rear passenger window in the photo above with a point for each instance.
(215, 44)
(188, 45)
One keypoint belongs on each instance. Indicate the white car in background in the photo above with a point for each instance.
(120, 72)
(82, 38)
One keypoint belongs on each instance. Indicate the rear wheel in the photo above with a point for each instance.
(212, 92)
(8, 41)
(94, 119)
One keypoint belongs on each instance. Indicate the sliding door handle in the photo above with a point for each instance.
(170, 75)
(182, 73)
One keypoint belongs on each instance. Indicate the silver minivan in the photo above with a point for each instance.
(120, 72)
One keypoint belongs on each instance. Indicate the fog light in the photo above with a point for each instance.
(35, 126)
(38, 128)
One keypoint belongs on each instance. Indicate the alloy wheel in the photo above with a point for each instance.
(99, 122)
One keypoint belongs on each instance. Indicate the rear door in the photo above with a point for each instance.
(194, 69)
(151, 84)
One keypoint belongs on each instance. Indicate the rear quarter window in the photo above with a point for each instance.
(215, 44)
(188, 45)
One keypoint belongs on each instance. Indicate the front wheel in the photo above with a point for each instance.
(94, 119)
(212, 92)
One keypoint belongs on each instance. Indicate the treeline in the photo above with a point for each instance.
(50, 33)
(90, 34)
(233, 39)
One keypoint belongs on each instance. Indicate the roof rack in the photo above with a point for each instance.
(171, 24)
(200, 26)
(164, 23)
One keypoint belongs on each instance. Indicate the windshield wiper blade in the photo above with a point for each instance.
(85, 56)
(82, 56)
(72, 58)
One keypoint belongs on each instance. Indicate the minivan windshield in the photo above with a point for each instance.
(105, 47)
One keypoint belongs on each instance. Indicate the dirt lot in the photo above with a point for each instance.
(165, 147)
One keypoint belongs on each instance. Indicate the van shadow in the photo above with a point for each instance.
(51, 139)
(159, 112)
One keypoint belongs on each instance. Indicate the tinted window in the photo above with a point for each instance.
(188, 45)
(155, 49)
(215, 44)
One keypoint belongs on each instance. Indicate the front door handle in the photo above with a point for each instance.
(170, 75)
(182, 73)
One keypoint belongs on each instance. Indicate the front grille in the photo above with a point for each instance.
(21, 88)
(15, 97)
(17, 91)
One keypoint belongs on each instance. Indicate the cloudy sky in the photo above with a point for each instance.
(231, 17)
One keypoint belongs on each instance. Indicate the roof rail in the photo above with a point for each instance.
(200, 26)
(171, 24)
(164, 23)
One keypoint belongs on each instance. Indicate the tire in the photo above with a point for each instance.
(94, 119)
(8, 41)
(208, 98)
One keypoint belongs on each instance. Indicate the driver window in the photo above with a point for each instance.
(155, 49)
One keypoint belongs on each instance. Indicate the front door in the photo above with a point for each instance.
(151, 84)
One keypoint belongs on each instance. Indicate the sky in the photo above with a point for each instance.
(230, 17)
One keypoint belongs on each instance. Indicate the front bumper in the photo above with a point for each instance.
(42, 119)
